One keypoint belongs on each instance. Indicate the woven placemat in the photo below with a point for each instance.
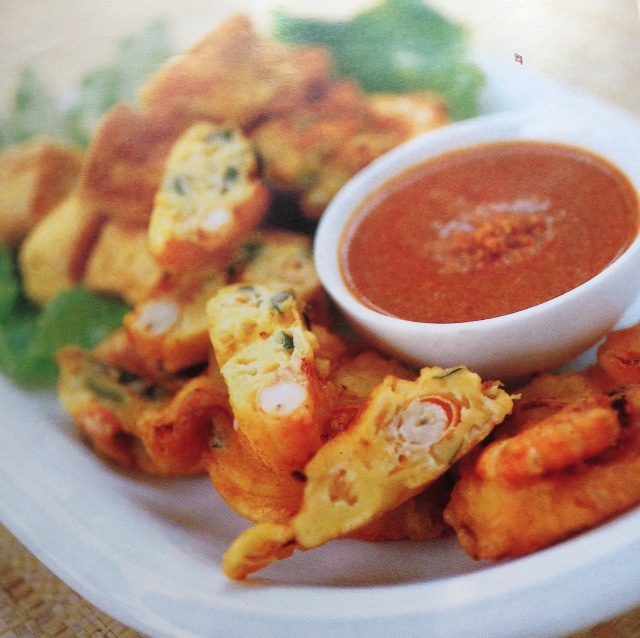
(35, 603)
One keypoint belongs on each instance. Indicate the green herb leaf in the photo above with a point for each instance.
(286, 339)
(398, 46)
(30, 337)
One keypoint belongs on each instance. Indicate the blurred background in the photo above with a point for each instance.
(590, 44)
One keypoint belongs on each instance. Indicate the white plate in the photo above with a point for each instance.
(148, 552)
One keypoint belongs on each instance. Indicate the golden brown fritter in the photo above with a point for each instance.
(53, 255)
(569, 472)
(267, 357)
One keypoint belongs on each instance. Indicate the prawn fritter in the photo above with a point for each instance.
(315, 150)
(126, 161)
(35, 177)
(106, 403)
(283, 260)
(170, 327)
(577, 432)
(419, 519)
(267, 358)
(407, 435)
(121, 264)
(235, 75)
(210, 198)
(568, 473)
(53, 256)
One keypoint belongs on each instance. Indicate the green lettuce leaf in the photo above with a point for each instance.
(397, 46)
(30, 336)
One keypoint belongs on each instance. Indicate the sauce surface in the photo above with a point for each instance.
(488, 231)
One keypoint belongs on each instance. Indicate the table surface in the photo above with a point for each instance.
(590, 44)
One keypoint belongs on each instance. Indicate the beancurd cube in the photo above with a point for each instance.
(53, 256)
(121, 264)
(34, 178)
(209, 199)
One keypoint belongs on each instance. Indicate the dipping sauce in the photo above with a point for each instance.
(487, 231)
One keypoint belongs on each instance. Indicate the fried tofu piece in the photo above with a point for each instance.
(210, 198)
(502, 514)
(121, 263)
(312, 152)
(126, 162)
(283, 260)
(267, 357)
(35, 177)
(170, 328)
(234, 75)
(53, 256)
(407, 435)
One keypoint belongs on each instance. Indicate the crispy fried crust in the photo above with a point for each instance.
(313, 151)
(125, 163)
(500, 511)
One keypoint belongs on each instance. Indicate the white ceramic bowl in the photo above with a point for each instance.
(512, 346)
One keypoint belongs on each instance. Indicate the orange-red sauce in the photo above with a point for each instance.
(487, 231)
